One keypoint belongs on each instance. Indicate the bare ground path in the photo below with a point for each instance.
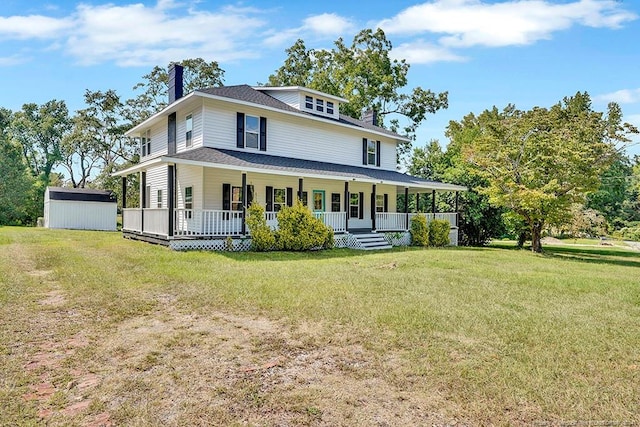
(170, 366)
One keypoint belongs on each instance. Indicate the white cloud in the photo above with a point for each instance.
(9, 61)
(421, 52)
(33, 27)
(466, 23)
(326, 25)
(137, 34)
(624, 96)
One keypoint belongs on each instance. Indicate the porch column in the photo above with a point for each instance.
(373, 207)
(143, 198)
(433, 202)
(300, 188)
(456, 209)
(244, 204)
(346, 206)
(171, 200)
(124, 192)
(406, 206)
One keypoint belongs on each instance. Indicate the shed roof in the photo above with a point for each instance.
(81, 194)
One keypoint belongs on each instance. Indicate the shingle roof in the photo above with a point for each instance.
(247, 159)
(248, 94)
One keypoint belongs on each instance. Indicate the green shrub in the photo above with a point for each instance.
(262, 238)
(419, 231)
(299, 230)
(439, 232)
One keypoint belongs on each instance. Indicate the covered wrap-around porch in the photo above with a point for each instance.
(204, 193)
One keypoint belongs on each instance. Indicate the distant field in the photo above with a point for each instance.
(98, 330)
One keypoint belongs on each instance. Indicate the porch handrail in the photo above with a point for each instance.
(132, 219)
(391, 221)
(207, 222)
(451, 217)
(335, 220)
(155, 221)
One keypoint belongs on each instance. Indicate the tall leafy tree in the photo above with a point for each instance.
(364, 74)
(16, 183)
(39, 129)
(198, 74)
(539, 162)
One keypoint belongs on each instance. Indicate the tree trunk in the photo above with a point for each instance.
(536, 235)
(522, 237)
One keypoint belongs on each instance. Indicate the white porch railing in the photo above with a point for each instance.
(155, 221)
(132, 219)
(335, 220)
(451, 217)
(209, 223)
(206, 222)
(391, 221)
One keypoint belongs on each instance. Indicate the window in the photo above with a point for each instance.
(304, 198)
(308, 103)
(252, 131)
(371, 152)
(188, 198)
(189, 130)
(159, 202)
(379, 202)
(236, 198)
(335, 202)
(319, 105)
(329, 107)
(354, 205)
(279, 199)
(145, 142)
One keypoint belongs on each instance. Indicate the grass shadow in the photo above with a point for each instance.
(616, 257)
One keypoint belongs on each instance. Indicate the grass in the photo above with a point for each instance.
(479, 336)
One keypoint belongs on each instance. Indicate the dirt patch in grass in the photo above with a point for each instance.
(173, 367)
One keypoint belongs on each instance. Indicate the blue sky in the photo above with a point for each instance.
(485, 53)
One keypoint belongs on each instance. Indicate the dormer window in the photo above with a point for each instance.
(329, 107)
(308, 102)
(145, 143)
(319, 105)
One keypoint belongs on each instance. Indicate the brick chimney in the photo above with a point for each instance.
(371, 117)
(175, 82)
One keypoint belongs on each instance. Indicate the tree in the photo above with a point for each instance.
(479, 221)
(198, 74)
(15, 180)
(365, 75)
(40, 130)
(539, 162)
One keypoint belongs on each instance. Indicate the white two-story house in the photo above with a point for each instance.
(210, 154)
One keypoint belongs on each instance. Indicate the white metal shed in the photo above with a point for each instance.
(80, 208)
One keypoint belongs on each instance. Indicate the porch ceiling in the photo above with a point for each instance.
(264, 163)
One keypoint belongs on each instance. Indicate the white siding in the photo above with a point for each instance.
(190, 176)
(158, 140)
(80, 215)
(289, 97)
(181, 132)
(289, 136)
(157, 180)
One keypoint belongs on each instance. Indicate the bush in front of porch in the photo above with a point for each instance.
(299, 230)
(262, 238)
(419, 231)
(439, 232)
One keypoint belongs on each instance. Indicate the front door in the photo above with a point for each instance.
(318, 200)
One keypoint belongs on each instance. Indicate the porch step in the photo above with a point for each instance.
(372, 241)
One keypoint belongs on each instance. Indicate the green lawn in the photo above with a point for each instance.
(410, 336)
